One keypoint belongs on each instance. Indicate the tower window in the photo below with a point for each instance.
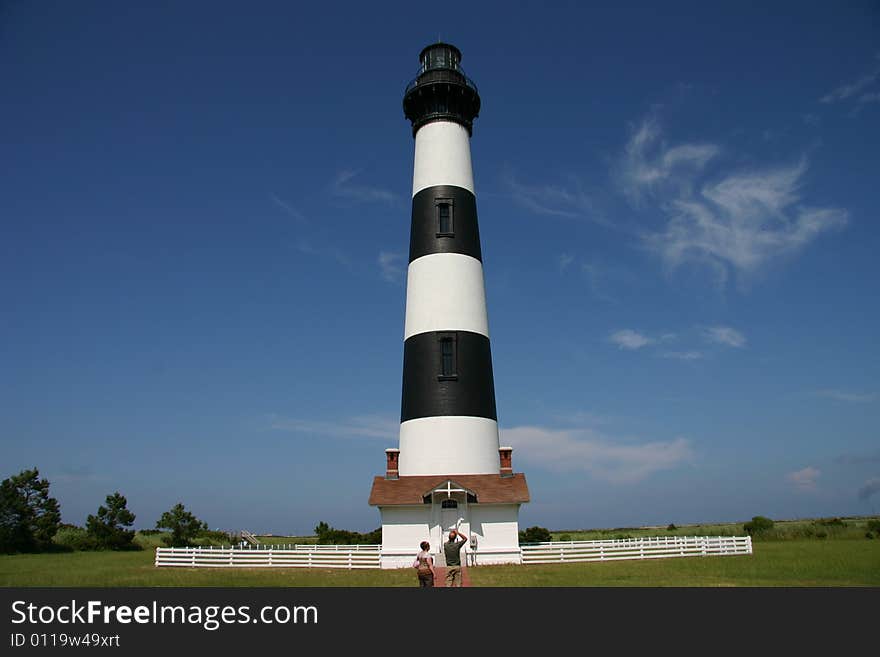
(448, 365)
(448, 504)
(445, 227)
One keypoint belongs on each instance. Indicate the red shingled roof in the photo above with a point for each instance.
(488, 488)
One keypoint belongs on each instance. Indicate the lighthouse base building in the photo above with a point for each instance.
(450, 471)
(416, 508)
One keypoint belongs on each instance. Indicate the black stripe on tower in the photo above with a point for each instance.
(431, 388)
(444, 220)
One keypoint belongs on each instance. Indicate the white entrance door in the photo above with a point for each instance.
(448, 520)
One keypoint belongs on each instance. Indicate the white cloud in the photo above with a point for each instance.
(629, 339)
(324, 252)
(743, 222)
(683, 355)
(343, 187)
(288, 208)
(850, 89)
(871, 487)
(804, 480)
(569, 200)
(725, 335)
(564, 261)
(362, 426)
(847, 396)
(648, 165)
(615, 461)
(391, 266)
(735, 220)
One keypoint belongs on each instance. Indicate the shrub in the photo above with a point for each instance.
(108, 527)
(565, 537)
(184, 526)
(72, 537)
(758, 525)
(535, 535)
(671, 527)
(869, 535)
(831, 522)
(874, 526)
(327, 534)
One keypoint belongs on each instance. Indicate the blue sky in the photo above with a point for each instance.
(204, 215)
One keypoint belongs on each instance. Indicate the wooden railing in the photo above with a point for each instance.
(327, 556)
(660, 547)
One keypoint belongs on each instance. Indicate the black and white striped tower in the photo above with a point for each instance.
(448, 422)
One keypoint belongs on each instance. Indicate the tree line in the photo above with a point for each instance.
(30, 521)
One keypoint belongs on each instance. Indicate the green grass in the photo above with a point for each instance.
(781, 563)
(789, 555)
(783, 530)
(137, 569)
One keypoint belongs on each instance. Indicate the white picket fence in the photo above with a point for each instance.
(369, 556)
(660, 547)
(309, 556)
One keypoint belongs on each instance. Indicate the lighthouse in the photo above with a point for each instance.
(449, 470)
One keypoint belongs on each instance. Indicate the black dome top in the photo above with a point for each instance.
(441, 91)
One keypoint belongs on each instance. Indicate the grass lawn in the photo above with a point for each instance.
(774, 563)
(137, 569)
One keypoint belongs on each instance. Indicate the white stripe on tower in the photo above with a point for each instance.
(443, 157)
(444, 292)
(448, 422)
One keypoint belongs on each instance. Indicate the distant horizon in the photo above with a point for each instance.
(206, 225)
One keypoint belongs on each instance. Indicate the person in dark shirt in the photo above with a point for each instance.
(452, 550)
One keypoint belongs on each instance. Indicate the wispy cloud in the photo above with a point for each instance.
(725, 335)
(682, 355)
(308, 248)
(391, 266)
(606, 279)
(649, 165)
(554, 200)
(848, 396)
(287, 208)
(564, 260)
(805, 479)
(736, 220)
(743, 222)
(858, 459)
(605, 458)
(630, 339)
(362, 426)
(850, 89)
(871, 487)
(344, 187)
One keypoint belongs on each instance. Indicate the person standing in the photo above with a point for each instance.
(452, 550)
(425, 566)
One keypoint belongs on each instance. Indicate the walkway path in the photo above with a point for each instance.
(440, 576)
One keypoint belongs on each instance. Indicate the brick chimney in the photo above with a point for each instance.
(391, 457)
(506, 461)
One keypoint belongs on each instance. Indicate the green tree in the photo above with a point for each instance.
(184, 526)
(758, 525)
(535, 535)
(29, 517)
(108, 527)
